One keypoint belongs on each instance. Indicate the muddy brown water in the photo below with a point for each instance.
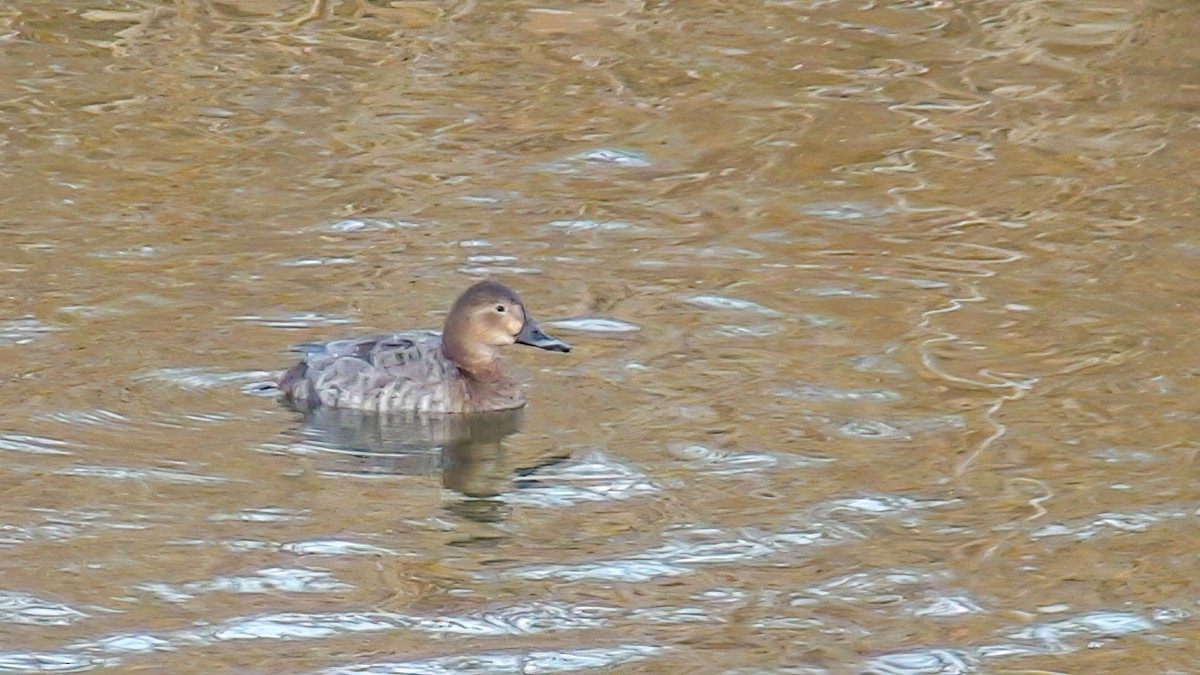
(885, 316)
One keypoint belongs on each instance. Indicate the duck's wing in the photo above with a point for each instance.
(413, 355)
(364, 365)
(383, 351)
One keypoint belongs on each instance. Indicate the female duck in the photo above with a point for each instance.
(456, 371)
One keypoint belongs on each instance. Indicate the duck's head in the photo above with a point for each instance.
(487, 316)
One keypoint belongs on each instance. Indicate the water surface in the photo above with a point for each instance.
(884, 318)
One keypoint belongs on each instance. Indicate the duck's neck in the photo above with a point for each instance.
(481, 372)
(477, 362)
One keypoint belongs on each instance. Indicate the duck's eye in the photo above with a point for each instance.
(501, 308)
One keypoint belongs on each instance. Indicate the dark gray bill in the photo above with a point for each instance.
(531, 334)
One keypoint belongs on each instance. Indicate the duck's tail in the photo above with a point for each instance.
(293, 381)
(267, 388)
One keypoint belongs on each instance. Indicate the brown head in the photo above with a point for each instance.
(487, 316)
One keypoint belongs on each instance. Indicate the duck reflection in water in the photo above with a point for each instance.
(466, 450)
(463, 448)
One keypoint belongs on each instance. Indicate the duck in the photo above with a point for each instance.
(453, 371)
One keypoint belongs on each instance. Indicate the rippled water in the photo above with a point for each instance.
(884, 318)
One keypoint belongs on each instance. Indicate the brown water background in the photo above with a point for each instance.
(885, 316)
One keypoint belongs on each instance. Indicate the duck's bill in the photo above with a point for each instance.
(533, 336)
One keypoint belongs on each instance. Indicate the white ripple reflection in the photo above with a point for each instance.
(296, 320)
(149, 475)
(817, 392)
(270, 580)
(501, 662)
(517, 620)
(719, 302)
(1110, 522)
(24, 330)
(723, 462)
(1070, 635)
(317, 262)
(96, 417)
(874, 585)
(614, 157)
(1095, 624)
(589, 478)
(202, 378)
(62, 526)
(354, 225)
(847, 211)
(833, 522)
(948, 606)
(268, 514)
(485, 270)
(675, 558)
(35, 445)
(573, 226)
(336, 547)
(129, 643)
(593, 324)
(50, 662)
(22, 608)
(882, 503)
(921, 662)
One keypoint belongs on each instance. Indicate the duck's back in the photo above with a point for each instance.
(400, 372)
